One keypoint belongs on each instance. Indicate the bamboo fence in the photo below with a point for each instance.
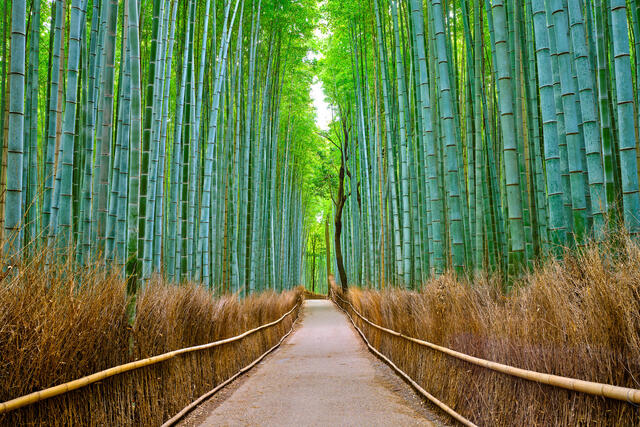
(67, 387)
(597, 389)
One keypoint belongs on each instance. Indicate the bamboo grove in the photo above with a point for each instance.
(481, 135)
(158, 134)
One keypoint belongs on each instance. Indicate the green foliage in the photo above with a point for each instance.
(481, 135)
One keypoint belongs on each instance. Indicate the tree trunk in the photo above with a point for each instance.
(313, 265)
(340, 201)
(338, 232)
(328, 250)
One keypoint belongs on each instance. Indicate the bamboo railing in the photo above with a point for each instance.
(50, 392)
(596, 389)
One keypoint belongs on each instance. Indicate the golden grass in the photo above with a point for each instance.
(310, 295)
(59, 324)
(577, 318)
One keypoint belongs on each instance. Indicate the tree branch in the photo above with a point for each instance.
(330, 140)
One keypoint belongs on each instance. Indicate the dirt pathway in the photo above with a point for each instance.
(321, 376)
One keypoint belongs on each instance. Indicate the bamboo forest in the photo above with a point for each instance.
(421, 176)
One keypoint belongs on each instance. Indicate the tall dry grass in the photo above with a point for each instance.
(59, 324)
(578, 318)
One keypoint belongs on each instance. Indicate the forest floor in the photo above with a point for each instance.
(323, 375)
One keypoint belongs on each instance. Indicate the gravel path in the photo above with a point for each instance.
(321, 376)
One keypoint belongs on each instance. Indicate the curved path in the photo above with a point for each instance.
(322, 375)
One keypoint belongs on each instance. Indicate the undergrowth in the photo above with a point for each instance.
(58, 323)
(579, 318)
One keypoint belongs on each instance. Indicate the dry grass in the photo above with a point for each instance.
(578, 318)
(63, 324)
(310, 295)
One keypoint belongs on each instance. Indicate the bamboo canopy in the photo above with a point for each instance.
(483, 135)
(158, 135)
